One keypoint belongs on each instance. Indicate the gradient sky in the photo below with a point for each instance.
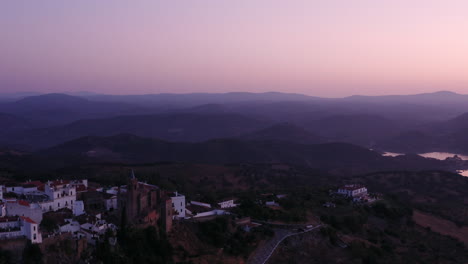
(325, 48)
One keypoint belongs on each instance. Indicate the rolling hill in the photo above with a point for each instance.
(173, 127)
(126, 148)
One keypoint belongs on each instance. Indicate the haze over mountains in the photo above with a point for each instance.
(406, 123)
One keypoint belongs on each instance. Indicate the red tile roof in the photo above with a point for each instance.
(23, 203)
(27, 219)
(81, 188)
(36, 183)
(59, 182)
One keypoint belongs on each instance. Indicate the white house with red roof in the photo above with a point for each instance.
(24, 208)
(20, 226)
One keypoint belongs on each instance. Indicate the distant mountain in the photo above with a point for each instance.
(194, 99)
(12, 124)
(173, 127)
(126, 148)
(53, 109)
(285, 132)
(424, 98)
(364, 130)
(447, 136)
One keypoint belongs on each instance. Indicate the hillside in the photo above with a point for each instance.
(173, 127)
(447, 136)
(285, 132)
(126, 148)
(54, 109)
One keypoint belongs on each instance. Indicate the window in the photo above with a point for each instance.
(180, 203)
(34, 237)
(58, 204)
(71, 193)
(34, 228)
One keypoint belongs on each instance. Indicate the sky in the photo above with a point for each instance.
(329, 48)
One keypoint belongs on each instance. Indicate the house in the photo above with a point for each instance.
(353, 190)
(178, 203)
(78, 208)
(24, 208)
(61, 195)
(227, 204)
(20, 226)
(70, 226)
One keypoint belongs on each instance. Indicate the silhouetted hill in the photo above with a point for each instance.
(10, 124)
(285, 132)
(128, 148)
(448, 136)
(364, 130)
(53, 109)
(173, 127)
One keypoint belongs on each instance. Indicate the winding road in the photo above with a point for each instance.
(264, 252)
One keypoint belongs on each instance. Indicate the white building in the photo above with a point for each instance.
(23, 208)
(178, 203)
(353, 190)
(70, 226)
(61, 195)
(227, 204)
(78, 208)
(14, 227)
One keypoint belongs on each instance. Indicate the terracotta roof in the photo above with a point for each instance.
(59, 182)
(23, 203)
(80, 188)
(27, 219)
(38, 184)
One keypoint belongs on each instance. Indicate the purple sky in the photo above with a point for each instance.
(325, 48)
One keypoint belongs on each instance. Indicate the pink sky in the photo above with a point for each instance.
(325, 48)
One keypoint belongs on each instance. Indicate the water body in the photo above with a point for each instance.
(442, 155)
(433, 155)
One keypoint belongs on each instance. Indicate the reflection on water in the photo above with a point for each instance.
(442, 155)
(463, 173)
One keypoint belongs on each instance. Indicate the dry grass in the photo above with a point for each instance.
(442, 226)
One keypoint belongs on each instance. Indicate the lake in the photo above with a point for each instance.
(434, 155)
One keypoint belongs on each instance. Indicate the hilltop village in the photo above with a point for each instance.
(85, 214)
(43, 213)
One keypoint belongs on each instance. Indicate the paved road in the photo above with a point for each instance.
(262, 254)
